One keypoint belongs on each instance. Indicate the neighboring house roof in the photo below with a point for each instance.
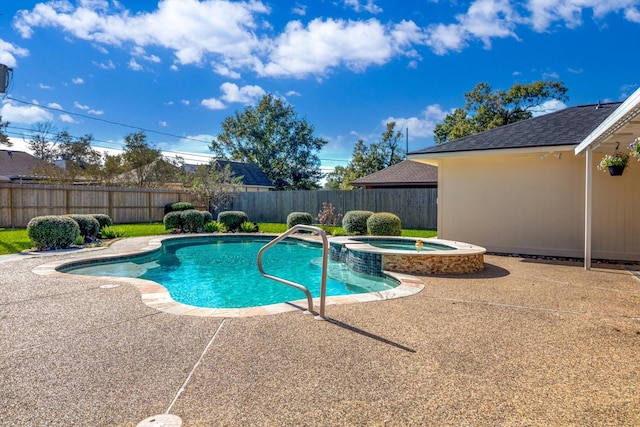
(251, 174)
(407, 173)
(569, 126)
(17, 164)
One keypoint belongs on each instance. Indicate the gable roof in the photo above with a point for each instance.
(16, 164)
(406, 173)
(569, 126)
(251, 174)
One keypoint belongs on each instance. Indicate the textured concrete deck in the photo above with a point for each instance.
(523, 343)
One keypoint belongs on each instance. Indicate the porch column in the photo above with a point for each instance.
(587, 208)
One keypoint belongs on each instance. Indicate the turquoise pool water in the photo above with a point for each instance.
(404, 244)
(223, 272)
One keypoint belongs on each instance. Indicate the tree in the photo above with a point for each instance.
(79, 157)
(214, 186)
(41, 142)
(272, 137)
(4, 138)
(139, 157)
(366, 160)
(486, 109)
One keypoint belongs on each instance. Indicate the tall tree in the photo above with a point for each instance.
(366, 160)
(140, 157)
(271, 136)
(79, 157)
(4, 138)
(486, 109)
(41, 143)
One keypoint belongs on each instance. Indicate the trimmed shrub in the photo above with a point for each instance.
(208, 217)
(53, 232)
(173, 220)
(355, 222)
(384, 224)
(103, 220)
(177, 207)
(295, 218)
(89, 226)
(193, 221)
(232, 219)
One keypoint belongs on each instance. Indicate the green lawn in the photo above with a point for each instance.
(13, 241)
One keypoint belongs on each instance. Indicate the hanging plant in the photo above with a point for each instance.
(634, 147)
(614, 163)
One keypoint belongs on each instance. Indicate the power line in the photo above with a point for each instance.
(108, 121)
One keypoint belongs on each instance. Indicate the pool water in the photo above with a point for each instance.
(223, 273)
(405, 245)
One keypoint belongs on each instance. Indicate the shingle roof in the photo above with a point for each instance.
(406, 173)
(14, 164)
(565, 127)
(251, 174)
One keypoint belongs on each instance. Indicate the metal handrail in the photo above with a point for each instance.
(323, 284)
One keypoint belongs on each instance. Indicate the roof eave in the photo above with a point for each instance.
(622, 115)
(491, 152)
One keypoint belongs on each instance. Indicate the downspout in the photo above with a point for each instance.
(587, 207)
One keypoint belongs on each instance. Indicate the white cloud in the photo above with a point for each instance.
(246, 94)
(213, 104)
(421, 126)
(54, 105)
(324, 44)
(77, 81)
(185, 102)
(163, 123)
(134, 65)
(79, 106)
(24, 115)
(548, 107)
(96, 112)
(545, 13)
(109, 65)
(8, 53)
(44, 86)
(484, 20)
(66, 118)
(368, 6)
(299, 9)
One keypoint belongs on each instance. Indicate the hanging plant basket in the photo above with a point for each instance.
(616, 170)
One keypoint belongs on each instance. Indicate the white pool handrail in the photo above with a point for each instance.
(323, 283)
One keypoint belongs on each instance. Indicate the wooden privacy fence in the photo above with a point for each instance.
(19, 203)
(416, 207)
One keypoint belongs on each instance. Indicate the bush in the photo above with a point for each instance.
(232, 219)
(247, 227)
(89, 226)
(173, 220)
(193, 221)
(328, 215)
(177, 207)
(295, 218)
(213, 227)
(103, 220)
(110, 232)
(53, 232)
(208, 217)
(355, 222)
(384, 224)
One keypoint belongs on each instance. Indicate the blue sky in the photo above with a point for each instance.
(178, 68)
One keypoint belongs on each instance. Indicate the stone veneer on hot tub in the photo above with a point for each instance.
(462, 258)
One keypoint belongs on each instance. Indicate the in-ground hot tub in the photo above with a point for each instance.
(373, 255)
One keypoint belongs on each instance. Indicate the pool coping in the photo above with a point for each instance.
(158, 297)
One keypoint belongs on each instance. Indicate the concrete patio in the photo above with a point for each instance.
(526, 342)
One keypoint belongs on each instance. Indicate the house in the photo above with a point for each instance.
(532, 187)
(18, 166)
(405, 174)
(253, 178)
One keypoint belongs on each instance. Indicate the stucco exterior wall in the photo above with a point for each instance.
(534, 204)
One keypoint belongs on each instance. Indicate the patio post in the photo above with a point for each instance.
(587, 207)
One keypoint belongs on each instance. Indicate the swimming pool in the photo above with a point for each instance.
(221, 272)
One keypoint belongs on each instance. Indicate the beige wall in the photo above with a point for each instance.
(522, 203)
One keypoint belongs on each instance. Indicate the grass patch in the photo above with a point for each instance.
(13, 241)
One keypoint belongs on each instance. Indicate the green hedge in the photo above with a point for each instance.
(189, 221)
(384, 224)
(295, 218)
(232, 219)
(355, 222)
(53, 232)
(89, 226)
(103, 220)
(177, 207)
